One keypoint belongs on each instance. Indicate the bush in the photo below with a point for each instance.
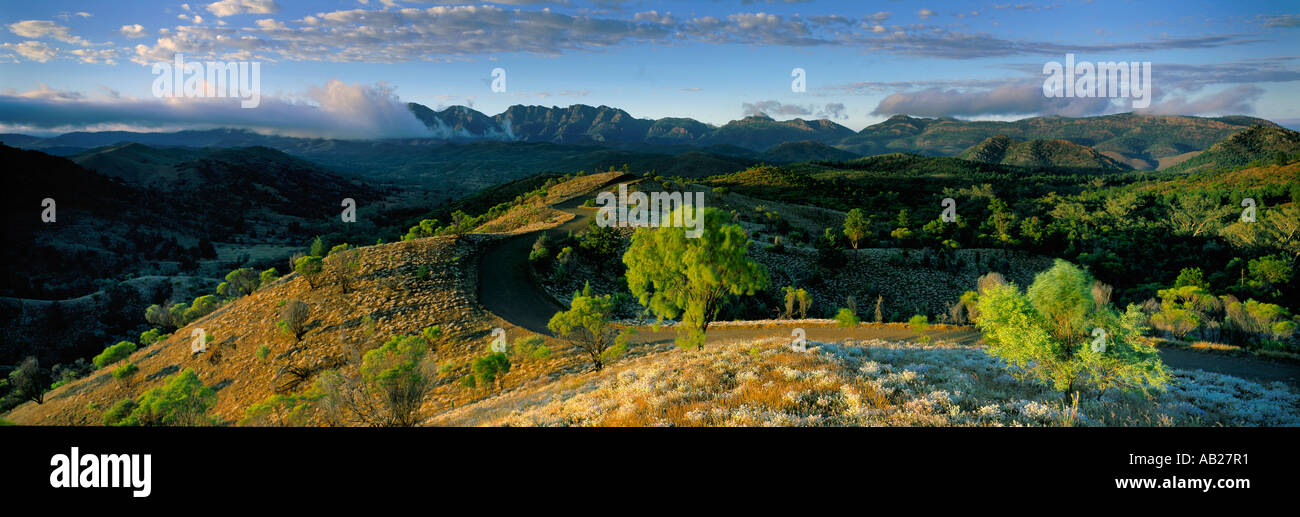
(846, 318)
(28, 381)
(489, 368)
(389, 388)
(152, 336)
(268, 277)
(586, 324)
(293, 318)
(242, 282)
(281, 410)
(125, 373)
(309, 267)
(262, 352)
(182, 400)
(431, 334)
(114, 354)
(1057, 334)
(317, 247)
(919, 324)
(531, 347)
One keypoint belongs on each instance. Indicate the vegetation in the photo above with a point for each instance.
(182, 400)
(674, 275)
(1056, 332)
(586, 324)
(388, 388)
(114, 353)
(293, 318)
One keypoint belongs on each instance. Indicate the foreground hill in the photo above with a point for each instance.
(1256, 144)
(1005, 150)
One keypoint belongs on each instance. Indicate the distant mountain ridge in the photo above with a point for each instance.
(1139, 141)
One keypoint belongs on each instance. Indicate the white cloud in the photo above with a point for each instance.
(31, 50)
(37, 29)
(233, 7)
(925, 14)
(133, 31)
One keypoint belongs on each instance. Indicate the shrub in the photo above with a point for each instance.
(919, 324)
(531, 347)
(182, 400)
(268, 277)
(152, 336)
(114, 354)
(846, 318)
(28, 381)
(161, 317)
(201, 307)
(390, 385)
(317, 247)
(293, 318)
(242, 282)
(119, 412)
(586, 324)
(125, 373)
(489, 368)
(262, 352)
(431, 334)
(309, 267)
(281, 410)
(1057, 334)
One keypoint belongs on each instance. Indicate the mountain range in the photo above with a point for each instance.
(1145, 142)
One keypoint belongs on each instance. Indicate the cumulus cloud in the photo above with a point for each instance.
(232, 7)
(38, 29)
(1022, 98)
(30, 50)
(133, 31)
(925, 14)
(333, 110)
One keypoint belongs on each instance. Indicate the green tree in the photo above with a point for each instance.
(674, 275)
(389, 387)
(856, 226)
(242, 282)
(1057, 334)
(114, 353)
(586, 324)
(1191, 276)
(317, 248)
(267, 277)
(281, 410)
(310, 268)
(123, 374)
(919, 324)
(846, 318)
(29, 380)
(487, 370)
(152, 336)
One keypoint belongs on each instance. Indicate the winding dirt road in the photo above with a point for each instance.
(507, 290)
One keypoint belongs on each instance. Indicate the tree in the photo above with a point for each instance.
(114, 353)
(1191, 276)
(317, 248)
(846, 318)
(389, 386)
(586, 324)
(1057, 334)
(919, 324)
(309, 267)
(242, 282)
(344, 264)
(293, 318)
(123, 374)
(489, 368)
(674, 275)
(158, 316)
(267, 277)
(29, 380)
(856, 226)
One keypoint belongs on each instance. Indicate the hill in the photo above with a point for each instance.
(1005, 150)
(806, 151)
(1256, 144)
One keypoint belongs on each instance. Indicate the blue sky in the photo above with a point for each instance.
(85, 65)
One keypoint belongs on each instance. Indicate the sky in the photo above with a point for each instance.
(345, 68)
